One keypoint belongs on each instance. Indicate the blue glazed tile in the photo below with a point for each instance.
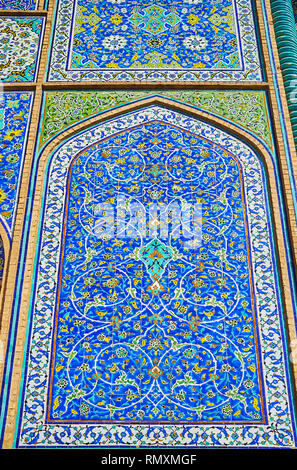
(113, 294)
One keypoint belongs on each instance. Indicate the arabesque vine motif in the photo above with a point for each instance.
(247, 108)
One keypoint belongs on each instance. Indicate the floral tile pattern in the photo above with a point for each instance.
(159, 338)
(180, 40)
(18, 4)
(20, 41)
(15, 111)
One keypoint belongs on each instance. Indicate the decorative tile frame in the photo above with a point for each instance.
(280, 430)
(2, 260)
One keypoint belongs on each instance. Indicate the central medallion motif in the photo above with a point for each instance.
(155, 371)
(154, 19)
(155, 255)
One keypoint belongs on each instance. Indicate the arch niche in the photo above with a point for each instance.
(155, 327)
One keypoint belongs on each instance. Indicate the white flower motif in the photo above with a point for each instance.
(114, 43)
(195, 42)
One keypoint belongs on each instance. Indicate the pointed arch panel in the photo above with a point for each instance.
(143, 323)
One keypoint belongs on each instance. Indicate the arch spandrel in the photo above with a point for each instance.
(262, 265)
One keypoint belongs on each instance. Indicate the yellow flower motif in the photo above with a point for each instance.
(116, 19)
(2, 195)
(193, 19)
(13, 133)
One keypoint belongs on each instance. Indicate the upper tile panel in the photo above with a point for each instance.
(20, 44)
(189, 40)
(18, 4)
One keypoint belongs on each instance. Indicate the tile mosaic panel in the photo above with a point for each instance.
(180, 40)
(20, 42)
(15, 111)
(18, 4)
(165, 339)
